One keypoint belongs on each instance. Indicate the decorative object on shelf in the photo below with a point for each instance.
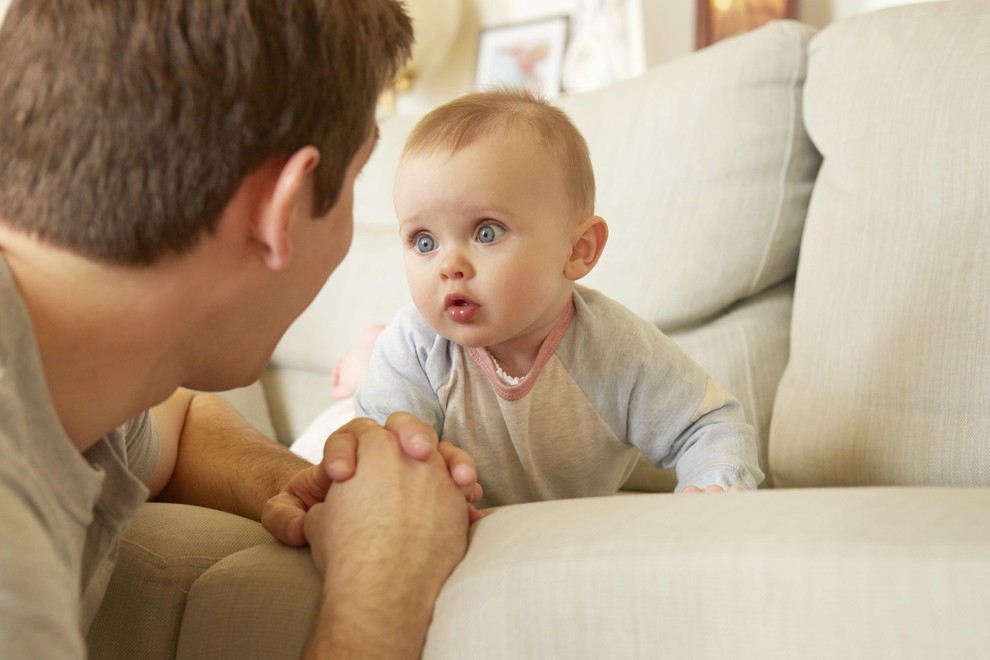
(436, 24)
(606, 44)
(718, 19)
(529, 54)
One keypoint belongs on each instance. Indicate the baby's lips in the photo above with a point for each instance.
(460, 308)
(457, 300)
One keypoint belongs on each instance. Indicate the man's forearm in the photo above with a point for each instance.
(224, 463)
(386, 541)
(345, 630)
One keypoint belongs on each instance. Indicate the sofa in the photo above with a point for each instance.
(808, 215)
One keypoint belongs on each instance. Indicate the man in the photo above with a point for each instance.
(176, 183)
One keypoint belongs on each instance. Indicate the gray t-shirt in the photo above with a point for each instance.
(60, 511)
(606, 386)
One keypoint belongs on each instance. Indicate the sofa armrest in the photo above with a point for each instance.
(257, 603)
(163, 550)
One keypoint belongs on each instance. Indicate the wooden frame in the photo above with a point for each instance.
(529, 54)
(718, 19)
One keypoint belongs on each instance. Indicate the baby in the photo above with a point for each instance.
(553, 388)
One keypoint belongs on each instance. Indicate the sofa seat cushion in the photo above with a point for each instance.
(889, 375)
(795, 573)
(163, 551)
(809, 573)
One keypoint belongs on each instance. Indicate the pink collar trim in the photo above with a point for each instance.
(484, 360)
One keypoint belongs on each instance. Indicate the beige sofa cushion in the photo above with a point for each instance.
(163, 551)
(780, 574)
(889, 376)
(802, 573)
(704, 171)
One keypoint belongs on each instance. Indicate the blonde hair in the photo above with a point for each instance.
(489, 114)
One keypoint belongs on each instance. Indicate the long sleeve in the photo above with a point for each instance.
(654, 396)
(406, 368)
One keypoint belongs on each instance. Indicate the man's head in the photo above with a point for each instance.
(127, 125)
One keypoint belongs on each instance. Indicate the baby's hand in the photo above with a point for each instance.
(713, 489)
(353, 366)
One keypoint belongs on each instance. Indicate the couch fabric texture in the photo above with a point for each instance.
(887, 381)
(808, 215)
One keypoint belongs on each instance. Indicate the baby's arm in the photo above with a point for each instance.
(655, 397)
(400, 373)
(350, 370)
(406, 360)
(680, 417)
(718, 450)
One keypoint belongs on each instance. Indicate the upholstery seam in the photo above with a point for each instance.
(789, 155)
(152, 558)
(748, 362)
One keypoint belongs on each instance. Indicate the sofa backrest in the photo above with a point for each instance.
(704, 171)
(889, 375)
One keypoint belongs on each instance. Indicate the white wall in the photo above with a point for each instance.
(668, 25)
(668, 33)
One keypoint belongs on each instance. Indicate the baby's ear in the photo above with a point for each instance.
(587, 243)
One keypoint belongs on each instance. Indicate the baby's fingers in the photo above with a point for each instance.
(714, 488)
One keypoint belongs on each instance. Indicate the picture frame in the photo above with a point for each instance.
(528, 54)
(719, 19)
(605, 44)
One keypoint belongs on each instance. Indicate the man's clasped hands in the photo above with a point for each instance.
(421, 485)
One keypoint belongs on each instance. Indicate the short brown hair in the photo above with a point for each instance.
(488, 114)
(127, 125)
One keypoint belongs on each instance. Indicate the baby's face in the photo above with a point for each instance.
(487, 232)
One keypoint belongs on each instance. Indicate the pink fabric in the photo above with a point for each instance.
(507, 392)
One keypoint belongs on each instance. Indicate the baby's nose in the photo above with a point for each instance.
(455, 267)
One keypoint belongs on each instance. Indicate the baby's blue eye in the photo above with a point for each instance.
(424, 243)
(489, 232)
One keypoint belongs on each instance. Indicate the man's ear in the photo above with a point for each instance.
(587, 243)
(289, 195)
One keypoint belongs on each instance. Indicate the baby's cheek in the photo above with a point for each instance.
(517, 289)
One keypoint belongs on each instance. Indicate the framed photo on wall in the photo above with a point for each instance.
(718, 19)
(605, 44)
(529, 54)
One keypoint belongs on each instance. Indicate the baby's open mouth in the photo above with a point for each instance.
(460, 308)
(455, 300)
